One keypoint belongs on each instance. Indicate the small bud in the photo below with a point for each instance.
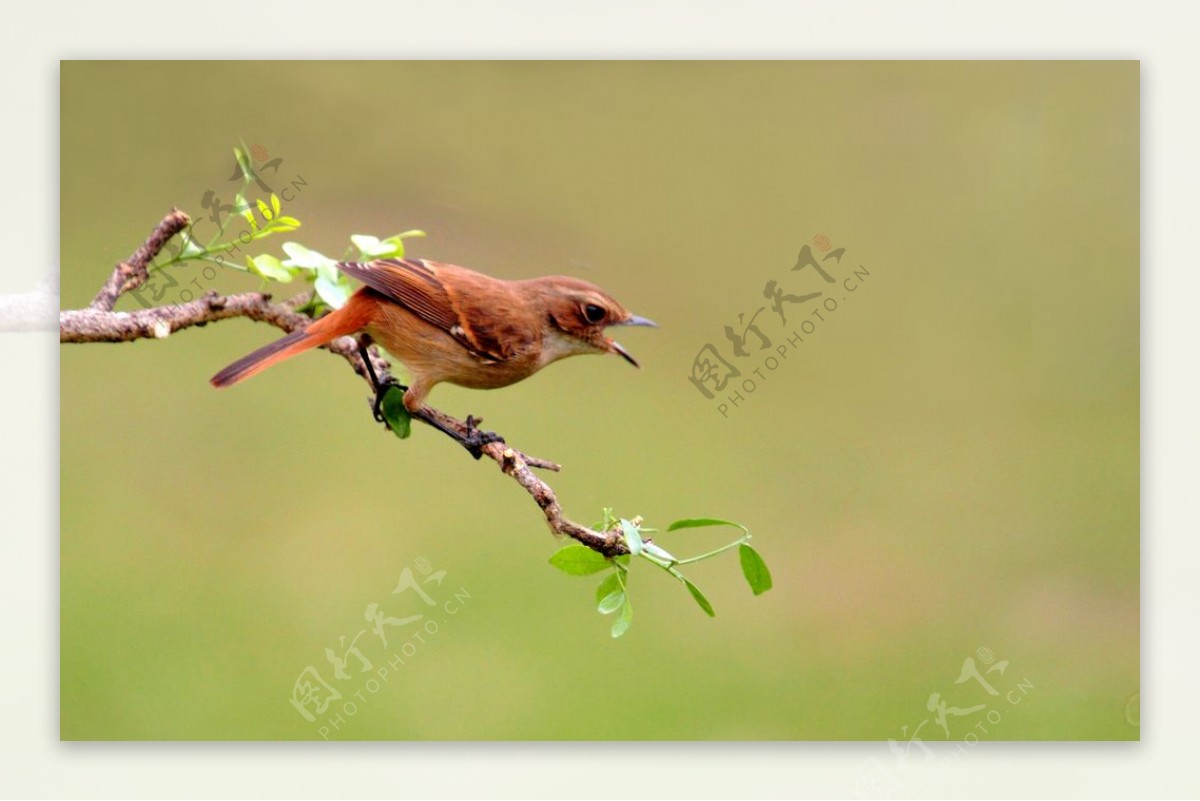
(162, 329)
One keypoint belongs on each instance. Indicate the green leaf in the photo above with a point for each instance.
(328, 271)
(367, 245)
(331, 285)
(632, 538)
(394, 411)
(374, 248)
(334, 292)
(579, 560)
(653, 550)
(190, 246)
(700, 522)
(281, 222)
(611, 603)
(611, 584)
(754, 569)
(300, 256)
(269, 267)
(621, 624)
(610, 595)
(243, 162)
(699, 596)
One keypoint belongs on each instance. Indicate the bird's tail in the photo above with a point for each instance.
(349, 319)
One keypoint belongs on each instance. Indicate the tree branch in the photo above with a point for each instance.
(99, 323)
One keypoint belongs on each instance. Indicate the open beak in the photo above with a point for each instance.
(615, 346)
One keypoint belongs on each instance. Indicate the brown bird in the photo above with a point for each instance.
(448, 323)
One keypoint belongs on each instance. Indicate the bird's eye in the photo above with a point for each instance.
(593, 313)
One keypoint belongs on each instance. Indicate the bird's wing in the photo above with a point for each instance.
(414, 284)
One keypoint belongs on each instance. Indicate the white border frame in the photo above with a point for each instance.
(1161, 35)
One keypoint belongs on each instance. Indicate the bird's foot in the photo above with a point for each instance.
(474, 440)
(381, 389)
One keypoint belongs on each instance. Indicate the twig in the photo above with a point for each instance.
(133, 273)
(99, 323)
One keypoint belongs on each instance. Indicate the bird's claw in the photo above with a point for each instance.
(380, 391)
(474, 439)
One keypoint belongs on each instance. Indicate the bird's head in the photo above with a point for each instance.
(578, 314)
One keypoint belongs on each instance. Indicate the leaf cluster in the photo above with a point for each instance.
(612, 595)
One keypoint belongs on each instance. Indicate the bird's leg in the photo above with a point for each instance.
(381, 389)
(473, 440)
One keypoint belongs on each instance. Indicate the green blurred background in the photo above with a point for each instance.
(948, 463)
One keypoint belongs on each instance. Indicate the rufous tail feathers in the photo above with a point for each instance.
(349, 319)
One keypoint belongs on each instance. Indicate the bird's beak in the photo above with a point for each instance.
(615, 346)
(635, 320)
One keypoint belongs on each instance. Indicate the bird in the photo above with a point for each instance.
(455, 325)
